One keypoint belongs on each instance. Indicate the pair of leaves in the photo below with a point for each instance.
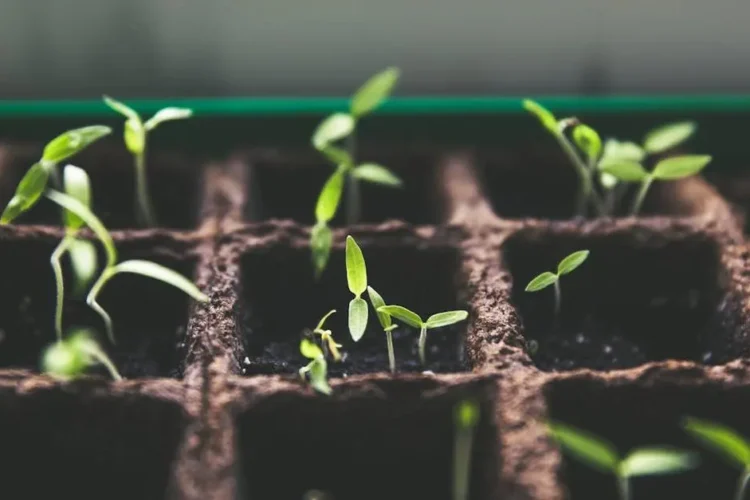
(565, 266)
(317, 369)
(356, 277)
(673, 168)
(722, 439)
(414, 320)
(69, 358)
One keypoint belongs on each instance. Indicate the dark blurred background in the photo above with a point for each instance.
(153, 48)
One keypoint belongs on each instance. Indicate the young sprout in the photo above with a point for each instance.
(326, 338)
(135, 140)
(317, 368)
(435, 321)
(727, 443)
(34, 182)
(601, 455)
(112, 267)
(547, 278)
(356, 277)
(68, 359)
(466, 417)
(385, 321)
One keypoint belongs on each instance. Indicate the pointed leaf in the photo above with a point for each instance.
(77, 185)
(403, 314)
(678, 167)
(161, 273)
(319, 376)
(668, 136)
(446, 318)
(547, 119)
(572, 261)
(73, 141)
(334, 128)
(321, 240)
(625, 151)
(337, 156)
(330, 196)
(29, 190)
(356, 271)
(323, 319)
(167, 114)
(377, 301)
(357, 318)
(654, 461)
(374, 91)
(721, 439)
(588, 140)
(592, 450)
(122, 108)
(83, 261)
(541, 282)
(372, 172)
(628, 171)
(310, 349)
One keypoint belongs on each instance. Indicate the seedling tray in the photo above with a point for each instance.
(655, 324)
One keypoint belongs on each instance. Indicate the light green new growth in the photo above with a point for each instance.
(326, 338)
(466, 417)
(68, 359)
(726, 442)
(356, 277)
(135, 140)
(317, 369)
(112, 267)
(435, 321)
(565, 266)
(601, 455)
(385, 321)
(668, 136)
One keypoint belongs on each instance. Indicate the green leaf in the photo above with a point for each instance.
(588, 141)
(547, 119)
(374, 91)
(167, 114)
(122, 108)
(377, 301)
(73, 141)
(29, 190)
(323, 319)
(77, 186)
(678, 167)
(608, 181)
(668, 136)
(466, 414)
(356, 271)
(161, 273)
(338, 156)
(83, 261)
(310, 349)
(446, 318)
(628, 171)
(135, 136)
(335, 127)
(721, 439)
(572, 261)
(623, 151)
(586, 447)
(330, 196)
(403, 314)
(318, 376)
(321, 240)
(372, 172)
(357, 318)
(653, 461)
(541, 282)
(61, 360)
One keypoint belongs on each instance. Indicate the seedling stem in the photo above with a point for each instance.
(558, 298)
(422, 343)
(742, 485)
(466, 416)
(638, 201)
(143, 208)
(623, 485)
(57, 254)
(391, 353)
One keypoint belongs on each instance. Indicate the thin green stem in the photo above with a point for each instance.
(624, 487)
(100, 356)
(391, 354)
(586, 192)
(558, 298)
(462, 463)
(638, 201)
(144, 209)
(93, 304)
(422, 345)
(742, 484)
(57, 254)
(353, 207)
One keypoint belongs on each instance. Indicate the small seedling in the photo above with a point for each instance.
(326, 338)
(70, 358)
(321, 237)
(601, 455)
(356, 277)
(34, 182)
(435, 321)
(385, 321)
(728, 443)
(547, 278)
(466, 417)
(135, 140)
(317, 369)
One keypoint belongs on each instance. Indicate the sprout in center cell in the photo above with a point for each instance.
(547, 278)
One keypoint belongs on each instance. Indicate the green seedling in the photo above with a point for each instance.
(112, 267)
(70, 358)
(135, 135)
(317, 368)
(414, 320)
(385, 321)
(326, 338)
(356, 277)
(602, 456)
(34, 182)
(726, 442)
(321, 237)
(466, 417)
(666, 137)
(547, 278)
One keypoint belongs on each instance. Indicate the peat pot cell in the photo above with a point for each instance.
(637, 298)
(59, 444)
(397, 446)
(174, 185)
(634, 416)
(282, 300)
(288, 188)
(149, 316)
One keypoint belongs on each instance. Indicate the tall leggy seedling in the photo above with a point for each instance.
(135, 140)
(601, 455)
(547, 278)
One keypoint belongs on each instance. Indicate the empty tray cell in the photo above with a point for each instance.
(642, 295)
(149, 316)
(282, 299)
(287, 187)
(174, 183)
(396, 442)
(633, 414)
